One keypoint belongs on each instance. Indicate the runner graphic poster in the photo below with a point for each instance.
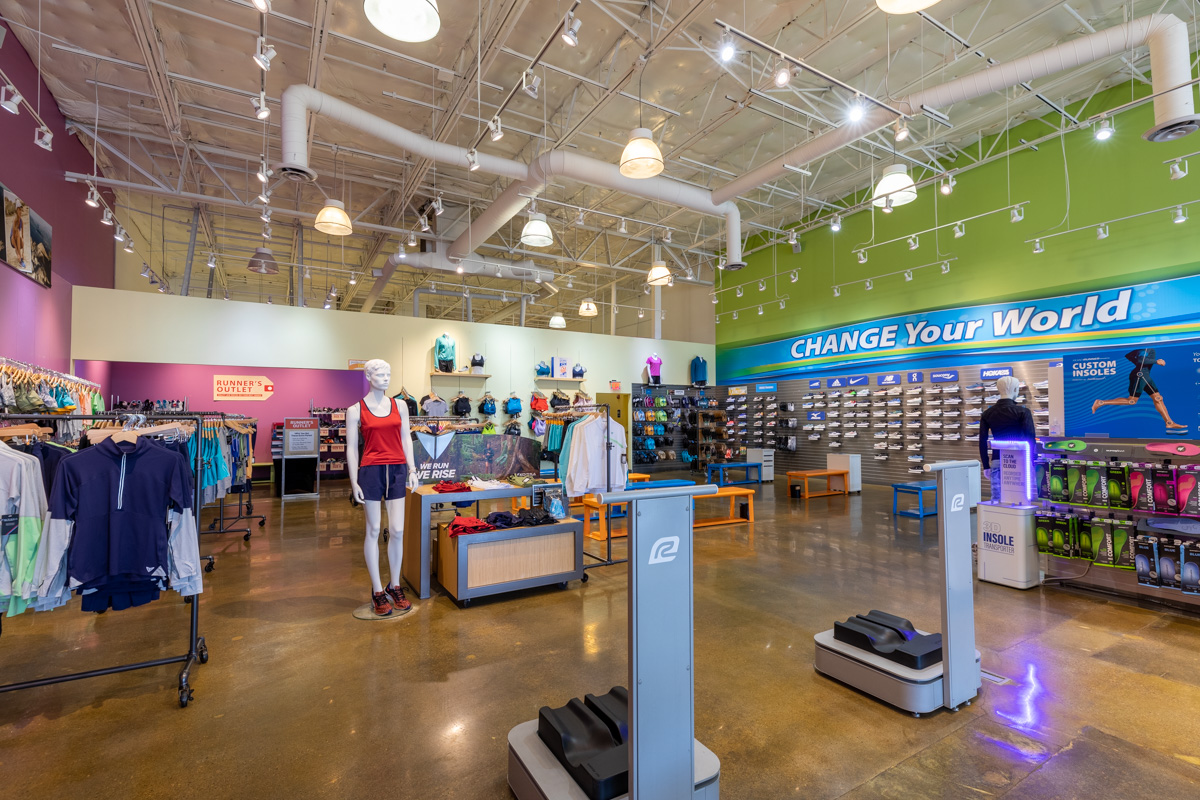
(1144, 391)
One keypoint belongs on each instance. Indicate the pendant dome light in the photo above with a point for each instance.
(405, 20)
(658, 275)
(536, 232)
(641, 157)
(557, 321)
(588, 308)
(263, 262)
(333, 219)
(895, 188)
(904, 6)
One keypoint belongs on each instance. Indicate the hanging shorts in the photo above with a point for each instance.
(445, 365)
(383, 481)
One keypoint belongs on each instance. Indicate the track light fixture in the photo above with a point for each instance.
(835, 224)
(530, 83)
(960, 230)
(1180, 216)
(537, 277)
(739, 291)
(782, 305)
(1178, 170)
(264, 197)
(270, 301)
(862, 256)
(401, 253)
(913, 242)
(1038, 247)
(762, 286)
(43, 137)
(642, 313)
(727, 49)
(145, 273)
(721, 264)
(212, 261)
(265, 216)
(837, 291)
(496, 128)
(869, 284)
(263, 54)
(263, 6)
(423, 221)
(259, 104)
(1105, 130)
(887, 205)
(264, 172)
(795, 276)
(266, 232)
(93, 197)
(499, 272)
(667, 236)
(901, 131)
(10, 99)
(908, 275)
(948, 184)
(107, 218)
(760, 311)
(570, 31)
(1102, 232)
(162, 288)
(579, 217)
(791, 237)
(459, 269)
(945, 267)
(353, 279)
(624, 228)
(412, 239)
(119, 233)
(714, 299)
(856, 111)
(438, 205)
(472, 160)
(328, 305)
(1018, 214)
(735, 315)
(783, 74)
(227, 296)
(128, 246)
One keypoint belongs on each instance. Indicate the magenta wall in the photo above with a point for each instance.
(294, 389)
(35, 323)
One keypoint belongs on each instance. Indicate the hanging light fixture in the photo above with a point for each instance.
(333, 219)
(913, 242)
(862, 256)
(405, 20)
(263, 262)
(496, 128)
(212, 261)
(423, 219)
(641, 157)
(960, 230)
(557, 321)
(658, 274)
(727, 49)
(263, 54)
(895, 185)
(412, 239)
(1018, 214)
(837, 291)
(10, 99)
(948, 184)
(945, 267)
(870, 284)
(887, 205)
(264, 173)
(760, 311)
(264, 196)
(1102, 232)
(904, 6)
(530, 83)
(570, 31)
(908, 275)
(265, 214)
(259, 104)
(145, 273)
(107, 219)
(536, 232)
(43, 137)
(1105, 130)
(783, 74)
(263, 6)
(900, 132)
(1178, 171)
(588, 308)
(835, 224)
(1180, 216)
(93, 197)
(472, 159)
(1038, 247)
(128, 246)
(119, 233)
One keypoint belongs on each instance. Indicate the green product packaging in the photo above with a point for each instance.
(1043, 529)
(1058, 481)
(1101, 534)
(1062, 542)
(1041, 472)
(1076, 485)
(1118, 486)
(1089, 538)
(1095, 484)
(1122, 547)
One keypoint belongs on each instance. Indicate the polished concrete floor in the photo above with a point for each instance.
(302, 700)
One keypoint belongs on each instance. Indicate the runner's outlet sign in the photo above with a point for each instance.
(242, 387)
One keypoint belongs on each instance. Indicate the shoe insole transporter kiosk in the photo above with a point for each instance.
(885, 656)
(567, 749)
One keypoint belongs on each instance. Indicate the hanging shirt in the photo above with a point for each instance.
(444, 348)
(655, 365)
(699, 370)
(434, 406)
(383, 437)
(22, 507)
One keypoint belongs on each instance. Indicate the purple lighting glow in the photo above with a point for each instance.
(1027, 450)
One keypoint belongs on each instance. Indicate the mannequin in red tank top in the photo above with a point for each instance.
(387, 451)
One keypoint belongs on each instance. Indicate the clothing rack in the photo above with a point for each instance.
(197, 649)
(576, 413)
(46, 371)
(245, 505)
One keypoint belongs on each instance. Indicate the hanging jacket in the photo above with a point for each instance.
(699, 370)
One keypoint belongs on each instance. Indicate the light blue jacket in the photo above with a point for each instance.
(444, 348)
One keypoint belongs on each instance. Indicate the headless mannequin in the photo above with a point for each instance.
(379, 373)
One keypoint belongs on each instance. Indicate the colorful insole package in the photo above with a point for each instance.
(1043, 529)
(1118, 485)
(1145, 559)
(1064, 538)
(1089, 538)
(1187, 493)
(1122, 543)
(1162, 481)
(1076, 487)
(1041, 477)
(1095, 484)
(1141, 485)
(1189, 568)
(1058, 482)
(1168, 561)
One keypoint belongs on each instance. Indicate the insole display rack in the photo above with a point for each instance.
(197, 649)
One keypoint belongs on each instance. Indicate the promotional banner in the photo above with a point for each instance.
(458, 456)
(1134, 315)
(242, 387)
(1149, 391)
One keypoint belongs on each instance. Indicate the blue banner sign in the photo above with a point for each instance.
(1054, 364)
(814, 384)
(835, 383)
(916, 377)
(860, 380)
(764, 387)
(991, 373)
(890, 379)
(1134, 315)
(944, 376)
(1149, 392)
(816, 416)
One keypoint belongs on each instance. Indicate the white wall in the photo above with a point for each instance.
(114, 325)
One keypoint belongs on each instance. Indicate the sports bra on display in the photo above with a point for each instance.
(477, 360)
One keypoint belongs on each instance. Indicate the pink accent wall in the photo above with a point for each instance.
(294, 389)
(35, 322)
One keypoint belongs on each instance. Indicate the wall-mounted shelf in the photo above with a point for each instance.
(458, 375)
(559, 380)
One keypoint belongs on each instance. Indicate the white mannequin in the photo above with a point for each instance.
(379, 374)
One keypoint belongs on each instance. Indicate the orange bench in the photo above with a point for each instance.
(827, 474)
(733, 493)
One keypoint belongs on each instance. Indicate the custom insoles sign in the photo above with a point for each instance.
(1141, 392)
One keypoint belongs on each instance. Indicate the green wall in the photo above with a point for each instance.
(1122, 176)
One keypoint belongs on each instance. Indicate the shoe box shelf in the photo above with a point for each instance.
(332, 437)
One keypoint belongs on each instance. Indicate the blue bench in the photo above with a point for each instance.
(723, 480)
(918, 489)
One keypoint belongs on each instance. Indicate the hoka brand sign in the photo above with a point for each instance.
(1149, 312)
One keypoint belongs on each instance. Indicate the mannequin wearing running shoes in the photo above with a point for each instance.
(380, 474)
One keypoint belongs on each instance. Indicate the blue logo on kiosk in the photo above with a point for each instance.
(991, 373)
(891, 379)
(916, 377)
(945, 376)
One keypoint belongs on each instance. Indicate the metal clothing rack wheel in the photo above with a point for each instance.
(197, 648)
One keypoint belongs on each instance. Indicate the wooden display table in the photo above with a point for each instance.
(828, 474)
(733, 493)
(480, 564)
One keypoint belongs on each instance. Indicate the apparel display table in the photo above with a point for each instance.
(722, 480)
(828, 474)
(418, 511)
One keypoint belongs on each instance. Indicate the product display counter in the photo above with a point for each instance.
(507, 560)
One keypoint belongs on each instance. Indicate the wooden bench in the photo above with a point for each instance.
(637, 477)
(828, 474)
(733, 493)
(917, 488)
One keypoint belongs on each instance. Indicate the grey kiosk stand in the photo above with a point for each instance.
(956, 679)
(665, 761)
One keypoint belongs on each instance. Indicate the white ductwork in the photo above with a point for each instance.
(298, 100)
(475, 265)
(1170, 62)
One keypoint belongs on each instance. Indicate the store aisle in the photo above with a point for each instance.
(301, 699)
